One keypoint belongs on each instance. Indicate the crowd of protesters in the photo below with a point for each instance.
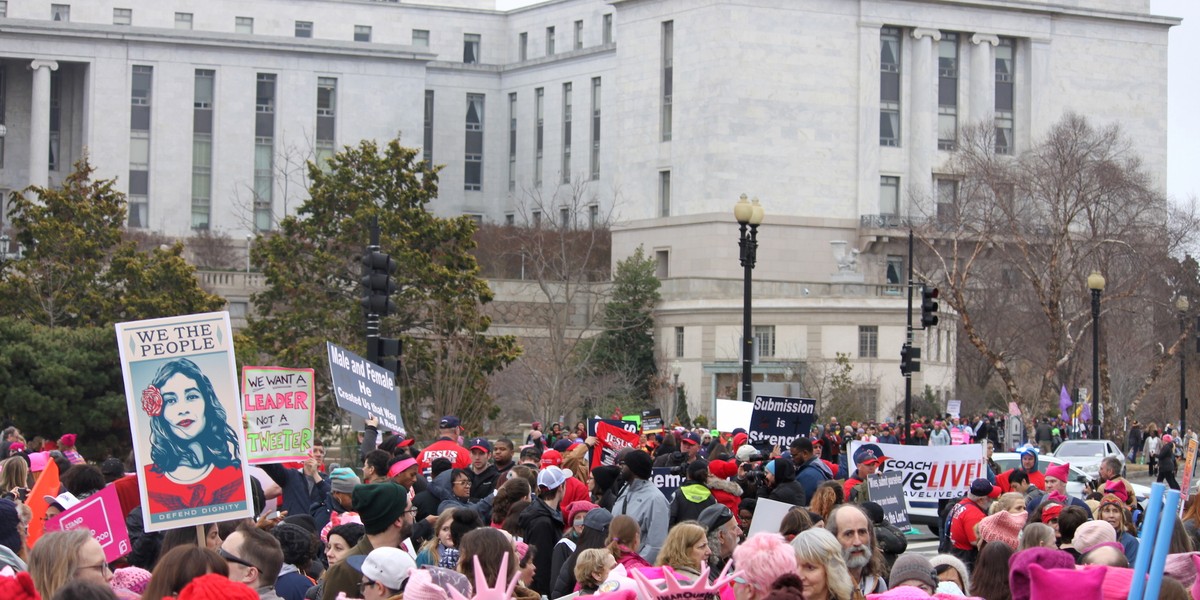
(468, 515)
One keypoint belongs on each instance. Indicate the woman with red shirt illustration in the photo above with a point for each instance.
(195, 453)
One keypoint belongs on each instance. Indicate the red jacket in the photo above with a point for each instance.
(727, 493)
(447, 448)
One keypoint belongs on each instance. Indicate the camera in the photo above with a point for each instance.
(22, 493)
(757, 475)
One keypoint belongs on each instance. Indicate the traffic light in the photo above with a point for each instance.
(387, 353)
(377, 282)
(910, 359)
(929, 307)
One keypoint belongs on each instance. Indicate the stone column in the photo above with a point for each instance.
(983, 77)
(922, 137)
(39, 123)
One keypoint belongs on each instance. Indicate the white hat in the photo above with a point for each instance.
(66, 500)
(551, 477)
(389, 566)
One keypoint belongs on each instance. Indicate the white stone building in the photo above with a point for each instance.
(836, 113)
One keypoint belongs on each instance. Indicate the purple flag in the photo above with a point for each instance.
(1064, 403)
(1086, 414)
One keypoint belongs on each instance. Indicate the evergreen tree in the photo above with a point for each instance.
(626, 346)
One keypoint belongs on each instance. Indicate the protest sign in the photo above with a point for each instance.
(931, 472)
(181, 386)
(666, 481)
(1189, 466)
(776, 421)
(635, 419)
(628, 426)
(768, 516)
(652, 421)
(733, 414)
(364, 388)
(953, 407)
(280, 410)
(610, 440)
(887, 490)
(101, 515)
(957, 436)
(1013, 409)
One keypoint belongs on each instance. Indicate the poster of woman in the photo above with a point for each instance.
(181, 388)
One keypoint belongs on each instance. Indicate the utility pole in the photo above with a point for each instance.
(908, 341)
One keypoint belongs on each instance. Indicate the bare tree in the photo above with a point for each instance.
(211, 249)
(1013, 249)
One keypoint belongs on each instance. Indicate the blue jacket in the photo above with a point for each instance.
(300, 495)
(811, 475)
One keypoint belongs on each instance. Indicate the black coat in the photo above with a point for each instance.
(1166, 459)
(543, 526)
(786, 488)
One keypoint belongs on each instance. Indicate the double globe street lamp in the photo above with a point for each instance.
(749, 215)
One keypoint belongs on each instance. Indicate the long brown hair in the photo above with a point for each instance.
(622, 531)
(179, 566)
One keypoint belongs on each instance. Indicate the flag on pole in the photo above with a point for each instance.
(1064, 402)
(1086, 413)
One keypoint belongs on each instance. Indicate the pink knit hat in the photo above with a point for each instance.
(1021, 563)
(1196, 585)
(1092, 534)
(1054, 584)
(1003, 527)
(1059, 472)
(133, 579)
(420, 586)
(37, 461)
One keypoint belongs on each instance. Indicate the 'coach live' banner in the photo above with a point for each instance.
(280, 412)
(181, 385)
(931, 472)
(99, 514)
(364, 388)
(776, 421)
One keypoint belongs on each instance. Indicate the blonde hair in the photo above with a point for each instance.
(677, 549)
(55, 559)
(432, 544)
(1007, 502)
(14, 473)
(818, 547)
(589, 563)
(1034, 535)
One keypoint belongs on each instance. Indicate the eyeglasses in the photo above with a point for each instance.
(233, 559)
(364, 584)
(101, 568)
(463, 482)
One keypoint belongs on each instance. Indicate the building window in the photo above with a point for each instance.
(564, 218)
(473, 178)
(58, 12)
(764, 340)
(56, 119)
(595, 159)
(593, 216)
(889, 195)
(362, 33)
(889, 87)
(420, 38)
(947, 201)
(304, 29)
(264, 151)
(243, 25)
(537, 218)
(664, 193)
(948, 91)
(566, 133)
(607, 29)
(868, 399)
(667, 77)
(662, 264)
(539, 97)
(512, 142)
(122, 16)
(678, 342)
(183, 20)
(1005, 63)
(523, 46)
(4, 11)
(476, 218)
(326, 120)
(578, 34)
(471, 48)
(549, 41)
(895, 269)
(3, 119)
(510, 219)
(868, 341)
(202, 148)
(427, 143)
(140, 99)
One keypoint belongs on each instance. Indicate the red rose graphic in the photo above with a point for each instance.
(152, 401)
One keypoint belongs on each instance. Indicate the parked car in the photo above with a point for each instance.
(1088, 454)
(1077, 486)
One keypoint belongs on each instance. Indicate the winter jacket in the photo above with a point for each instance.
(726, 492)
(483, 484)
(939, 437)
(642, 501)
(689, 501)
(812, 474)
(301, 495)
(543, 526)
(632, 560)
(891, 542)
(1166, 459)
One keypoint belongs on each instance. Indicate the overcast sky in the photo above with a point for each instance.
(1183, 139)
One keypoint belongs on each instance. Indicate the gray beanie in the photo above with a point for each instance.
(913, 567)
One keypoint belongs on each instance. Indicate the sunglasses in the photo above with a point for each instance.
(233, 559)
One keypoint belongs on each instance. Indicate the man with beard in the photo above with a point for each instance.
(642, 501)
(851, 526)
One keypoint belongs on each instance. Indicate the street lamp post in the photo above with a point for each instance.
(749, 216)
(675, 369)
(1182, 305)
(1095, 283)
